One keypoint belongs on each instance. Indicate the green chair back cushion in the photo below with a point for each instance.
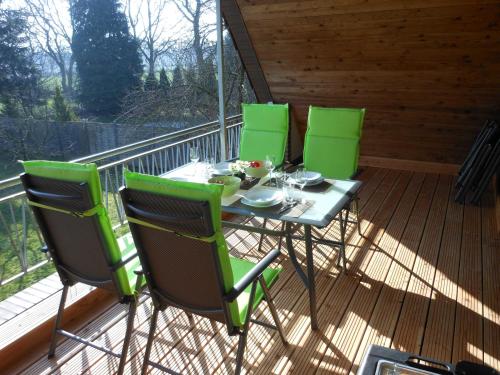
(335, 122)
(331, 145)
(265, 131)
(76, 172)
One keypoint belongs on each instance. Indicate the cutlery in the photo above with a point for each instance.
(287, 207)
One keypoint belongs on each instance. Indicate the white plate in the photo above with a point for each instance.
(315, 182)
(262, 198)
(222, 172)
(310, 183)
(311, 176)
(222, 169)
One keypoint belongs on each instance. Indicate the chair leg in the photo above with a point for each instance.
(281, 237)
(190, 318)
(152, 328)
(262, 236)
(57, 324)
(272, 308)
(243, 335)
(356, 204)
(340, 228)
(126, 342)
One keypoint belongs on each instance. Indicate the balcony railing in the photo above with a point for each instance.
(21, 238)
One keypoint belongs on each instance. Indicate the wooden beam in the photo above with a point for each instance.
(243, 43)
(409, 165)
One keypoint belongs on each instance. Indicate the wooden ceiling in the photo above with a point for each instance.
(427, 71)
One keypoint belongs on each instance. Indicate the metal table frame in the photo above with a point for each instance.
(308, 277)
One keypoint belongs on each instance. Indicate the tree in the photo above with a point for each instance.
(192, 10)
(147, 28)
(151, 82)
(62, 110)
(53, 36)
(107, 57)
(164, 84)
(177, 79)
(19, 75)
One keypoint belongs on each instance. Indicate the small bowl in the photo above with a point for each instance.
(257, 172)
(231, 184)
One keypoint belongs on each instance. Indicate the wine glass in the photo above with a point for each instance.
(194, 155)
(269, 164)
(287, 186)
(301, 180)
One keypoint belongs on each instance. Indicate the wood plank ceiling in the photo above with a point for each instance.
(428, 72)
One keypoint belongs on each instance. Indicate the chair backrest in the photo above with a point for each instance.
(67, 204)
(177, 230)
(265, 131)
(331, 144)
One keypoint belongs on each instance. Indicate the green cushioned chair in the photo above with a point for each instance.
(331, 144)
(177, 230)
(265, 132)
(66, 200)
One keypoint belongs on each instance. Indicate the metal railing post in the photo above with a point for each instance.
(220, 82)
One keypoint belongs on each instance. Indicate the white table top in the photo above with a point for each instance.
(325, 205)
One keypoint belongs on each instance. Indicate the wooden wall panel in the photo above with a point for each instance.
(427, 71)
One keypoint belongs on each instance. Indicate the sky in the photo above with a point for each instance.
(173, 23)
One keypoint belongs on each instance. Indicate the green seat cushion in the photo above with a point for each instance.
(332, 157)
(76, 172)
(127, 247)
(240, 268)
(265, 131)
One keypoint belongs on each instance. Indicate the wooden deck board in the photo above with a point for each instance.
(302, 326)
(388, 305)
(351, 328)
(468, 338)
(491, 283)
(423, 277)
(309, 344)
(325, 259)
(409, 330)
(441, 318)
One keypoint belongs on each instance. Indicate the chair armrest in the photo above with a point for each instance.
(252, 275)
(123, 261)
(139, 271)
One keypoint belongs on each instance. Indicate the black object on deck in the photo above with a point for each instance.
(480, 165)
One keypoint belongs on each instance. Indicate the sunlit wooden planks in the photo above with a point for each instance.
(401, 245)
(468, 336)
(438, 342)
(385, 315)
(409, 331)
(491, 281)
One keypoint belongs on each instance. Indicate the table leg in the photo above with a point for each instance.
(310, 277)
(343, 228)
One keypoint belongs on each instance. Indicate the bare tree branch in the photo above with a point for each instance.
(53, 37)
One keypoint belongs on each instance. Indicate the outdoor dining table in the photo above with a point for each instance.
(323, 204)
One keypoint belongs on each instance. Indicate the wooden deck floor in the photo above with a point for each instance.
(423, 278)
